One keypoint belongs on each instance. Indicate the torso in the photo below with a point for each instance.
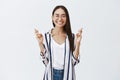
(58, 48)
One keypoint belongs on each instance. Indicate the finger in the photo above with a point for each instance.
(80, 30)
(77, 35)
(39, 35)
(36, 31)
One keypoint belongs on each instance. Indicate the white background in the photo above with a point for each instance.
(100, 47)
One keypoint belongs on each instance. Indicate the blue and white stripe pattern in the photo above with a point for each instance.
(70, 61)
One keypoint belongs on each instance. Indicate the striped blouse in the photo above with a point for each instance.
(69, 62)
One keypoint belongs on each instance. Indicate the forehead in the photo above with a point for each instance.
(59, 11)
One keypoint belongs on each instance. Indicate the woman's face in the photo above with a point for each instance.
(59, 18)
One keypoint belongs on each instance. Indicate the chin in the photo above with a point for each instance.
(60, 26)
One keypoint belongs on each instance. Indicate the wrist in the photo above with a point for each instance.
(40, 44)
(76, 56)
(42, 52)
(42, 48)
(77, 45)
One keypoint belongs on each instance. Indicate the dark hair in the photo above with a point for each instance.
(67, 27)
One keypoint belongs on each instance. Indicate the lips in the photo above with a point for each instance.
(60, 22)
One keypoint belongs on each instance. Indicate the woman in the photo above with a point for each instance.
(59, 48)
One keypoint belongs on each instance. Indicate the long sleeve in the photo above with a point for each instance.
(75, 61)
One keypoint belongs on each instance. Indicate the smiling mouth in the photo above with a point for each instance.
(60, 22)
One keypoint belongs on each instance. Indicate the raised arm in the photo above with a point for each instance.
(39, 38)
(78, 38)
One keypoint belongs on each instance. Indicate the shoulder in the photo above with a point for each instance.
(47, 32)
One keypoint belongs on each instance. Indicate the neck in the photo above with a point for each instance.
(58, 30)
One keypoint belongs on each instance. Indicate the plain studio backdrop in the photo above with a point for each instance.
(100, 46)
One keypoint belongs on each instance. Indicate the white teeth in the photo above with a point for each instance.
(60, 23)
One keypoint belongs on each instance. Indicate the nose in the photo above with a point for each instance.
(60, 18)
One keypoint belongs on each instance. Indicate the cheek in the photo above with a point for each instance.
(65, 20)
(54, 19)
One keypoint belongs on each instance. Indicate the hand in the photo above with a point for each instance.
(39, 37)
(78, 36)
